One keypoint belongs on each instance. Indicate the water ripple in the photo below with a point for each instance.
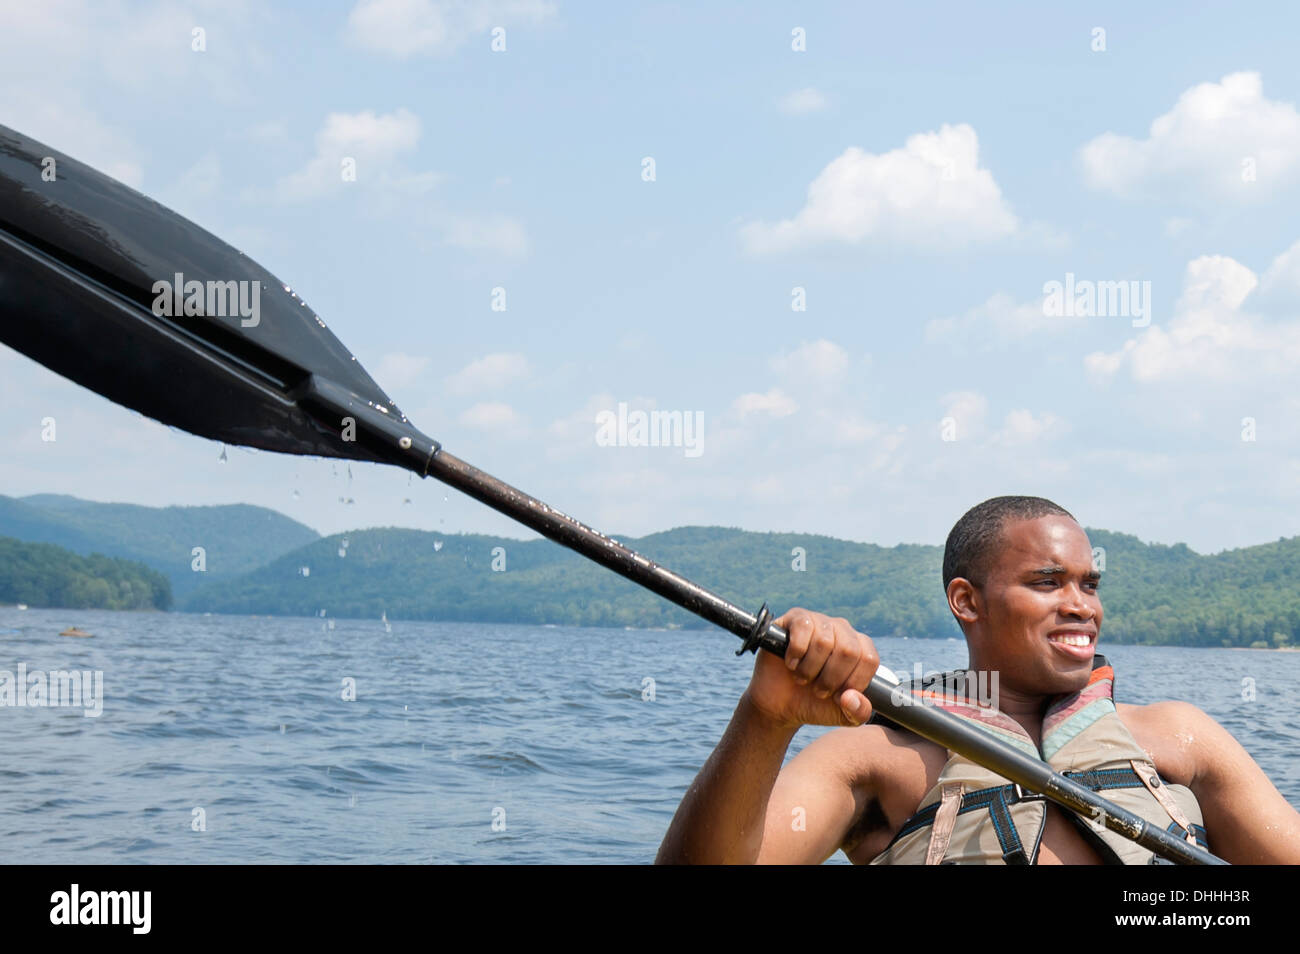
(232, 739)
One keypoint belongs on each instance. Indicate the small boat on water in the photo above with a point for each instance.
(74, 631)
(22, 606)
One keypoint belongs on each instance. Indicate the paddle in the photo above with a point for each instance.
(110, 289)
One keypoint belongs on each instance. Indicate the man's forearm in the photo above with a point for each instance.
(721, 819)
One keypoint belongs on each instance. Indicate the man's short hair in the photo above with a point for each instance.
(975, 537)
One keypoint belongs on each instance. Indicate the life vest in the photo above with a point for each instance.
(974, 816)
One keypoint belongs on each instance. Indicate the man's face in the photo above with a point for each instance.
(1039, 602)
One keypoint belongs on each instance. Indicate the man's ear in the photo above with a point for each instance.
(963, 600)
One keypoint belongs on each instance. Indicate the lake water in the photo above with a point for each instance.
(239, 722)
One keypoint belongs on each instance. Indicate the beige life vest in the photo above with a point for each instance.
(974, 816)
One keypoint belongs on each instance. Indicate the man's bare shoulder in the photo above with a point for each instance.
(1168, 731)
(871, 752)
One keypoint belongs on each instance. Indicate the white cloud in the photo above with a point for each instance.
(504, 235)
(200, 179)
(967, 409)
(197, 183)
(63, 61)
(488, 373)
(1201, 144)
(373, 141)
(67, 126)
(491, 416)
(813, 362)
(775, 402)
(1215, 280)
(405, 28)
(578, 429)
(815, 371)
(1000, 314)
(845, 428)
(268, 131)
(1022, 427)
(1210, 337)
(801, 101)
(931, 193)
(398, 370)
(377, 144)
(1281, 280)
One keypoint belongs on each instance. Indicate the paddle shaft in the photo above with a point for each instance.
(927, 721)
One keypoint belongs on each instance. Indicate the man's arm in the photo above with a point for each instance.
(741, 807)
(819, 797)
(1247, 820)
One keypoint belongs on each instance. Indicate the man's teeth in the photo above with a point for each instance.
(1071, 640)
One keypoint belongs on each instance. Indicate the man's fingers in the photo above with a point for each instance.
(834, 660)
(855, 706)
(843, 661)
(868, 661)
(820, 647)
(798, 626)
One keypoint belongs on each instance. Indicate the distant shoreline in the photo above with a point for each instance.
(638, 629)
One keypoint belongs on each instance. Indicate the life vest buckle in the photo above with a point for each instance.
(1018, 795)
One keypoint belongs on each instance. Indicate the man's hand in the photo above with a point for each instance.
(724, 817)
(822, 677)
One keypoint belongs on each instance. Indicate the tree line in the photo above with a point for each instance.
(45, 575)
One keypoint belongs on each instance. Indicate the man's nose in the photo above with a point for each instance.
(1076, 604)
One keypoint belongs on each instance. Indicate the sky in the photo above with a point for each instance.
(891, 261)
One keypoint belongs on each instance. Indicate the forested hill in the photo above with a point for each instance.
(42, 574)
(235, 538)
(1151, 593)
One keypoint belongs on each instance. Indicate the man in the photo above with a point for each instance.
(1021, 583)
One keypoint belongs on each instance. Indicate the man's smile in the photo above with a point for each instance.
(1075, 641)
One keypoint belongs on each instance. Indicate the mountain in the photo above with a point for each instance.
(236, 538)
(259, 561)
(1151, 593)
(42, 574)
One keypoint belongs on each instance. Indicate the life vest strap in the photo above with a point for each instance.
(1161, 794)
(944, 818)
(998, 801)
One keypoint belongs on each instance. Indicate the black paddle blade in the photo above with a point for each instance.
(112, 290)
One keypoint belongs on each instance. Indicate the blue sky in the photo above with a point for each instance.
(921, 173)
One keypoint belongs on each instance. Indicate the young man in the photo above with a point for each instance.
(1020, 580)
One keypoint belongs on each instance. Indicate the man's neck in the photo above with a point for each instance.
(1026, 708)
